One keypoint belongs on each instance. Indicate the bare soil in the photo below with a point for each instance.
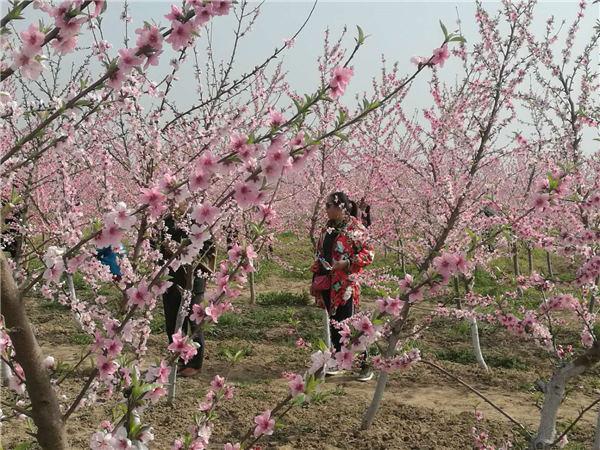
(422, 408)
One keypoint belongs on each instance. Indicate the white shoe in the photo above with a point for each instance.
(333, 372)
(365, 375)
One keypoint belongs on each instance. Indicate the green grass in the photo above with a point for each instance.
(465, 356)
(80, 339)
(252, 323)
(232, 349)
(283, 299)
(296, 251)
(157, 324)
(269, 268)
(452, 329)
(51, 305)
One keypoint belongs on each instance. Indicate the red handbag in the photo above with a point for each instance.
(320, 283)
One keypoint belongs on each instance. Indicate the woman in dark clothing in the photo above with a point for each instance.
(182, 278)
(342, 252)
(365, 213)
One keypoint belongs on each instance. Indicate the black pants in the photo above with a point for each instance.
(341, 313)
(171, 302)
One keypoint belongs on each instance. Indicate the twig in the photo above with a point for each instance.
(581, 414)
(479, 394)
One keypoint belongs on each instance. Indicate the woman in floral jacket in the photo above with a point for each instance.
(342, 252)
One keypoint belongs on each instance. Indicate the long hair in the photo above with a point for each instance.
(354, 209)
(341, 200)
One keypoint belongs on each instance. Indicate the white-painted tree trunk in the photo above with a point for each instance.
(369, 416)
(596, 445)
(181, 313)
(327, 328)
(468, 283)
(71, 287)
(5, 373)
(476, 345)
(555, 391)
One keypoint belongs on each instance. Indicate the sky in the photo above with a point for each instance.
(396, 29)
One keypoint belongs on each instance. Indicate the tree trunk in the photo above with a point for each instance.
(173, 374)
(555, 391)
(596, 444)
(457, 293)
(476, 344)
(184, 305)
(529, 260)
(549, 263)
(327, 328)
(515, 257)
(594, 291)
(44, 403)
(468, 283)
(252, 289)
(369, 416)
(401, 255)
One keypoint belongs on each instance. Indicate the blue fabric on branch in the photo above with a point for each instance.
(108, 257)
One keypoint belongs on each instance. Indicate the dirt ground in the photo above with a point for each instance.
(422, 409)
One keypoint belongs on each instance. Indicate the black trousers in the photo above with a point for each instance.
(171, 301)
(342, 313)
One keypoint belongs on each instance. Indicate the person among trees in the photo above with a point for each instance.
(362, 211)
(183, 278)
(231, 233)
(11, 240)
(108, 257)
(343, 251)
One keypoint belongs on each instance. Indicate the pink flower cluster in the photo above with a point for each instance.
(55, 265)
(109, 440)
(264, 424)
(276, 161)
(239, 144)
(450, 263)
(66, 20)
(184, 26)
(116, 223)
(388, 305)
(158, 374)
(247, 193)
(400, 362)
(438, 58)
(218, 389)
(181, 346)
(529, 325)
(321, 360)
(199, 434)
(358, 332)
(16, 378)
(28, 59)
(155, 201)
(340, 78)
(141, 296)
(296, 383)
(560, 302)
(535, 280)
(588, 272)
